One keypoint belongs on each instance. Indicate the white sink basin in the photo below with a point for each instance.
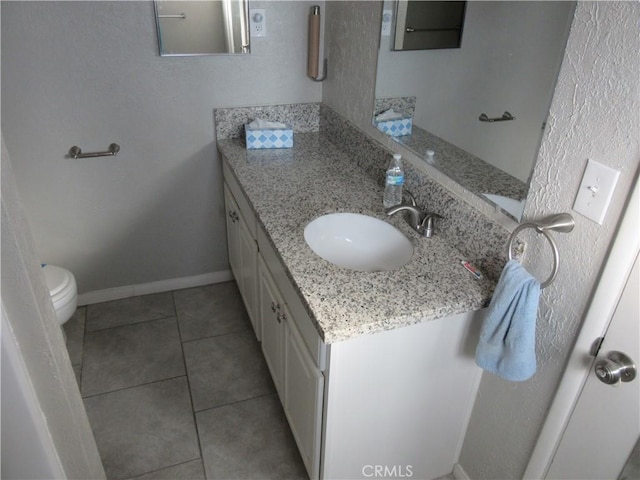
(358, 242)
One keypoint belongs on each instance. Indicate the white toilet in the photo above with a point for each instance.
(63, 291)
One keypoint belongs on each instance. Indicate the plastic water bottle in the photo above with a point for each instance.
(394, 182)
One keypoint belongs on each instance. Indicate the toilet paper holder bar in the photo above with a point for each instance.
(76, 152)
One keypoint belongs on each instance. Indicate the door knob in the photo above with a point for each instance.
(616, 367)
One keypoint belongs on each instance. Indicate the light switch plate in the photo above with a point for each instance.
(387, 16)
(596, 191)
(257, 22)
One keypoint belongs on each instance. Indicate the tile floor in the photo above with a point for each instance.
(175, 387)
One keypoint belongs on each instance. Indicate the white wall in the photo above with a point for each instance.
(50, 432)
(594, 114)
(89, 74)
(509, 61)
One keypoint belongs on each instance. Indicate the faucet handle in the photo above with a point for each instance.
(427, 224)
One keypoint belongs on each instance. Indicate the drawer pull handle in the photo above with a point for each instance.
(274, 307)
(281, 317)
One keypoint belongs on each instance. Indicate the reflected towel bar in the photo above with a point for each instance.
(76, 152)
(506, 116)
(559, 223)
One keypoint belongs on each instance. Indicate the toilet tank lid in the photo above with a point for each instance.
(57, 278)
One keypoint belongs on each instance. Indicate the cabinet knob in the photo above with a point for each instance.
(233, 216)
(281, 316)
(274, 307)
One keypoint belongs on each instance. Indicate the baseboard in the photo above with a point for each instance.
(117, 293)
(459, 473)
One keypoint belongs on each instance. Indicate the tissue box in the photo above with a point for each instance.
(268, 138)
(397, 127)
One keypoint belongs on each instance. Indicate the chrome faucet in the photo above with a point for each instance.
(421, 222)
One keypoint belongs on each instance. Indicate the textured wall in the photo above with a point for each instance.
(351, 46)
(88, 74)
(594, 114)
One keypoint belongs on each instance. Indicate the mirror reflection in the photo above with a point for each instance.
(428, 25)
(478, 112)
(202, 27)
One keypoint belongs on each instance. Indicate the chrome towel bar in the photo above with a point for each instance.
(182, 16)
(76, 152)
(563, 223)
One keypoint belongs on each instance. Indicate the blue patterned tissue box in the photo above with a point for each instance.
(268, 138)
(397, 127)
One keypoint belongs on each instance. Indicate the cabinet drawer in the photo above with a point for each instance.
(308, 332)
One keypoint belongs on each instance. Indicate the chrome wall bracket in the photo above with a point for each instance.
(562, 222)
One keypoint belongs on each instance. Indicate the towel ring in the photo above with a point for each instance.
(559, 223)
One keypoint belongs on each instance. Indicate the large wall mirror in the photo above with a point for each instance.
(482, 107)
(202, 27)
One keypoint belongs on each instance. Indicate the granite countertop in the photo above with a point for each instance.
(471, 172)
(290, 187)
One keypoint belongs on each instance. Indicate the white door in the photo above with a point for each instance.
(605, 424)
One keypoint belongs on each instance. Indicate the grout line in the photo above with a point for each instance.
(186, 369)
(135, 386)
(216, 336)
(175, 311)
(164, 468)
(238, 401)
(129, 324)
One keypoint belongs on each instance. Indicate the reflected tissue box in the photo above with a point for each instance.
(268, 137)
(396, 127)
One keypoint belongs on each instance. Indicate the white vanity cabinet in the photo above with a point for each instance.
(290, 344)
(395, 402)
(243, 253)
(298, 380)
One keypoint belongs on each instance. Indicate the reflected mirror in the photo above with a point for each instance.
(202, 27)
(477, 113)
(428, 25)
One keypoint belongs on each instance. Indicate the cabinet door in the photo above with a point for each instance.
(270, 308)
(248, 277)
(232, 215)
(304, 386)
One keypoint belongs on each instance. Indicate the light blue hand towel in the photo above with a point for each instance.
(507, 344)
